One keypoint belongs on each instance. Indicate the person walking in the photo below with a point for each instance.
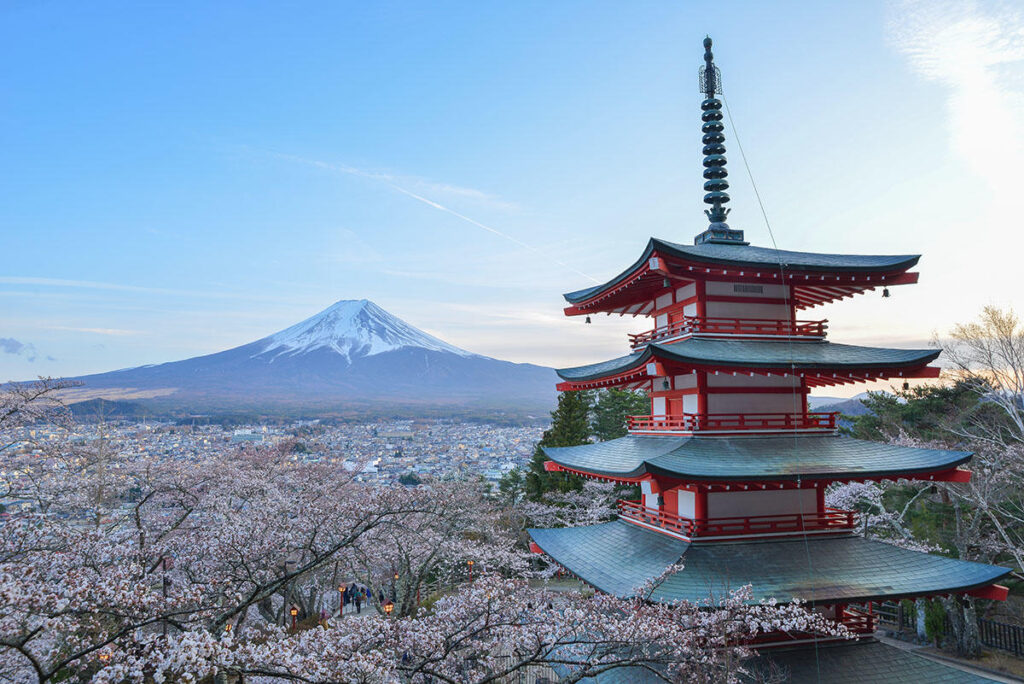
(359, 603)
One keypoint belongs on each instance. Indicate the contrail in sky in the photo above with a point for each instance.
(390, 182)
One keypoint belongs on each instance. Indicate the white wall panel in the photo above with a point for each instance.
(779, 502)
(755, 403)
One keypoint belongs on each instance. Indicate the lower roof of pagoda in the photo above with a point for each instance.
(844, 662)
(788, 356)
(753, 458)
(711, 259)
(618, 558)
(835, 662)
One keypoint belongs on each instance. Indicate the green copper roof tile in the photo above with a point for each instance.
(826, 569)
(748, 255)
(866, 661)
(860, 662)
(752, 458)
(618, 557)
(615, 557)
(792, 355)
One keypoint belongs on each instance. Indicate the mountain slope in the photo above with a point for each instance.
(351, 354)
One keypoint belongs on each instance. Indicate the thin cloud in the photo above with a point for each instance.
(115, 332)
(95, 285)
(390, 181)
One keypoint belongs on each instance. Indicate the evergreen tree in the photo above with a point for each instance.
(611, 410)
(929, 412)
(512, 486)
(570, 426)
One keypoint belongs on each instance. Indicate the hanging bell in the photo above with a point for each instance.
(665, 385)
(885, 292)
(665, 282)
(587, 321)
(906, 385)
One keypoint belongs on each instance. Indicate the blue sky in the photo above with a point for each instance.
(180, 178)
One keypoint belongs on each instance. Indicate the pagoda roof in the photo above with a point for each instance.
(619, 557)
(790, 355)
(753, 458)
(741, 255)
(866, 660)
(835, 662)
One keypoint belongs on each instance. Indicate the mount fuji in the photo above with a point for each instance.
(352, 355)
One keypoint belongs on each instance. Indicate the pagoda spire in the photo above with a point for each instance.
(715, 173)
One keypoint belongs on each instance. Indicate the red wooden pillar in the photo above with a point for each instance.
(702, 393)
(803, 395)
(821, 498)
(700, 509)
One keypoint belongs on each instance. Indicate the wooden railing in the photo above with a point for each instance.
(757, 327)
(637, 512)
(729, 422)
(752, 525)
(859, 621)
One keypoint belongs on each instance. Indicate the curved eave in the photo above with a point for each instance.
(757, 459)
(797, 264)
(782, 356)
(618, 557)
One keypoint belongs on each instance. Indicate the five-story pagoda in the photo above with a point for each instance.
(731, 464)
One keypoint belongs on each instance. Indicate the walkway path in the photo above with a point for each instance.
(948, 662)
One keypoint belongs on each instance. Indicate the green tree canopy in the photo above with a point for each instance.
(570, 426)
(612, 409)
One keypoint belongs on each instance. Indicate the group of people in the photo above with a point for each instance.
(354, 594)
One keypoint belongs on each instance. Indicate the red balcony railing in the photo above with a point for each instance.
(733, 422)
(757, 327)
(833, 519)
(637, 512)
(858, 621)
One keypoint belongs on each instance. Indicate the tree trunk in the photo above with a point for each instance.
(964, 620)
(970, 646)
(266, 609)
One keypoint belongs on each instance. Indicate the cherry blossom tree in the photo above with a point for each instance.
(411, 557)
(490, 630)
(133, 567)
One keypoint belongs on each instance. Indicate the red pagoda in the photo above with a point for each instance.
(731, 463)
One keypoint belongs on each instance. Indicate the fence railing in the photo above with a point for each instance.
(1000, 635)
(729, 422)
(757, 327)
(751, 525)
(1005, 637)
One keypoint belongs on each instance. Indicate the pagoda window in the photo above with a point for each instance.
(741, 504)
(737, 300)
(716, 288)
(766, 394)
(754, 404)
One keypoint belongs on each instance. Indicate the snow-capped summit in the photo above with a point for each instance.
(352, 356)
(352, 328)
